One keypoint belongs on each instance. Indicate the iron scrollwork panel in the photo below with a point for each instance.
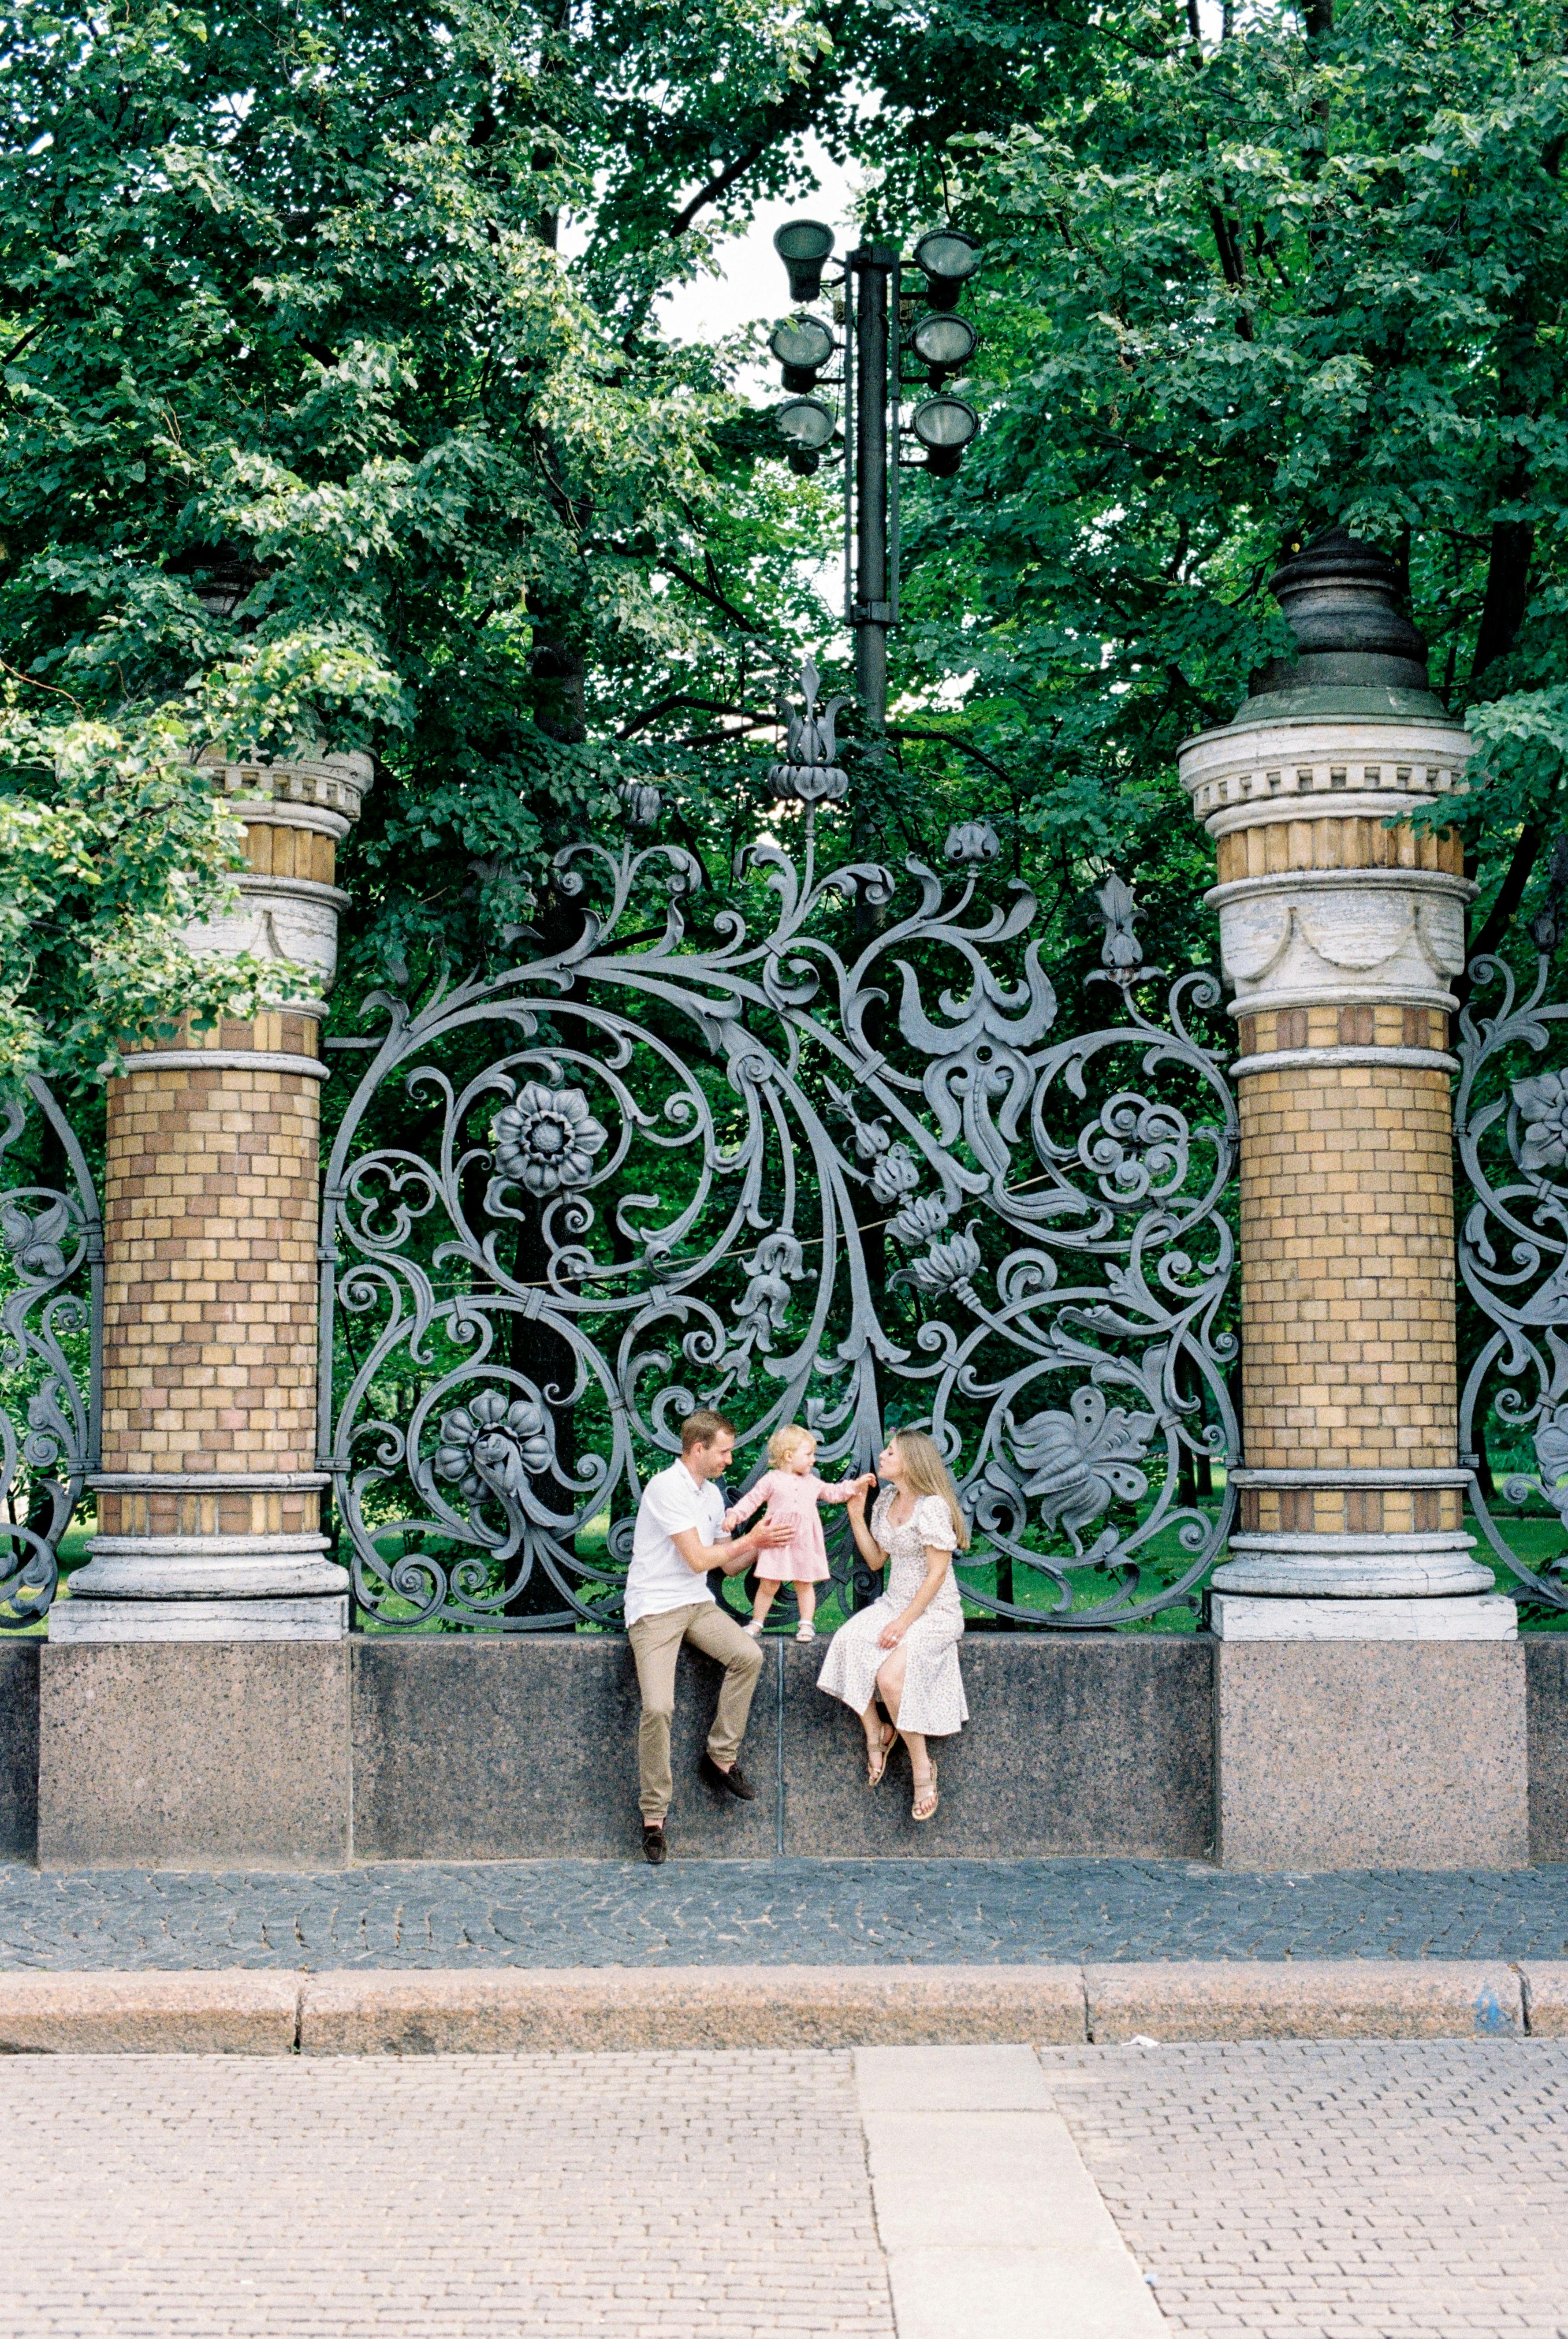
(762, 1170)
(51, 1354)
(1511, 1131)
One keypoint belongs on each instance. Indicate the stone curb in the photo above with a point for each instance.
(1545, 1984)
(233, 2013)
(1353, 1997)
(612, 2008)
(608, 2007)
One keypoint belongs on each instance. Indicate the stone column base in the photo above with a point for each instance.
(1424, 1566)
(1491, 1617)
(212, 1587)
(1371, 1754)
(76, 1621)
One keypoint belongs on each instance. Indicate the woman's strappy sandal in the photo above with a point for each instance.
(876, 1757)
(925, 1796)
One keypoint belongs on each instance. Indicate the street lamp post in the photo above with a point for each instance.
(875, 350)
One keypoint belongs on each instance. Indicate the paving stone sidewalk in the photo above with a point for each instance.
(1373, 2190)
(1282, 2190)
(774, 1912)
(635, 2197)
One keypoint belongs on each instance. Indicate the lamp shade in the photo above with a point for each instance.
(806, 427)
(803, 346)
(945, 427)
(949, 258)
(944, 342)
(804, 246)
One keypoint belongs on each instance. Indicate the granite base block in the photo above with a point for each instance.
(1371, 1754)
(194, 1755)
(19, 1749)
(527, 1748)
(1076, 1743)
(1547, 1721)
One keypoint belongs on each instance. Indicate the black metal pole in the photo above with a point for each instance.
(872, 267)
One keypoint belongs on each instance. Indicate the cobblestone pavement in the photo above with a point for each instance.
(565, 2196)
(806, 1912)
(1364, 2190)
(1290, 2191)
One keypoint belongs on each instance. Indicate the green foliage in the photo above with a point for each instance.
(309, 433)
(1236, 291)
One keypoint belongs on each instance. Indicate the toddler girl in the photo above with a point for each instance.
(792, 1490)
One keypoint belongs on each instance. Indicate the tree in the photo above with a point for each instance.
(1240, 288)
(310, 432)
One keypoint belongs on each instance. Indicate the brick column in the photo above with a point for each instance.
(209, 1499)
(1342, 929)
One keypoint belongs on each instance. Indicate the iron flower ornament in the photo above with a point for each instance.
(1542, 1102)
(546, 1138)
(489, 1447)
(1083, 1459)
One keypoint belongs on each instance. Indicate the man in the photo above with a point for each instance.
(675, 1543)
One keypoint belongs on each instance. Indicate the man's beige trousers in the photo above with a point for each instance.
(656, 1644)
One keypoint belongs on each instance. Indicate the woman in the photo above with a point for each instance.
(904, 1647)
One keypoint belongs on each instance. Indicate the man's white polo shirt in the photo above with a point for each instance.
(658, 1578)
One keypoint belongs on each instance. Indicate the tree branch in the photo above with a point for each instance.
(945, 739)
(720, 183)
(702, 705)
(1500, 916)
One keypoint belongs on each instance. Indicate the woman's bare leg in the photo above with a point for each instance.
(890, 1680)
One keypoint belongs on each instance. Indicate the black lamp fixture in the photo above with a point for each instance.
(804, 246)
(807, 426)
(803, 346)
(949, 259)
(887, 425)
(944, 344)
(945, 427)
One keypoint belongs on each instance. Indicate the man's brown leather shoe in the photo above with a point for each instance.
(656, 1850)
(733, 1781)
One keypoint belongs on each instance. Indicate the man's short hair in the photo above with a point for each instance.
(702, 1428)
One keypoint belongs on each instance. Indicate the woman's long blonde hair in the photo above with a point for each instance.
(924, 1471)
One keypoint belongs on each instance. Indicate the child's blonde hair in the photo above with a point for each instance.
(923, 1472)
(783, 1443)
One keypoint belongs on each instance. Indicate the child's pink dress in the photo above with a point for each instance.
(790, 1497)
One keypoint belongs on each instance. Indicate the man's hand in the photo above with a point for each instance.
(732, 1558)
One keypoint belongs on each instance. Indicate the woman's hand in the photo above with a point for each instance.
(892, 1635)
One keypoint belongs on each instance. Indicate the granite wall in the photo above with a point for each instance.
(19, 1749)
(525, 1750)
(1546, 1731)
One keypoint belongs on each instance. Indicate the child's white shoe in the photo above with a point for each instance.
(806, 1633)
(755, 1629)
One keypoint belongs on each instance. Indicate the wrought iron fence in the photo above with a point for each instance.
(830, 1159)
(51, 1349)
(1511, 1130)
